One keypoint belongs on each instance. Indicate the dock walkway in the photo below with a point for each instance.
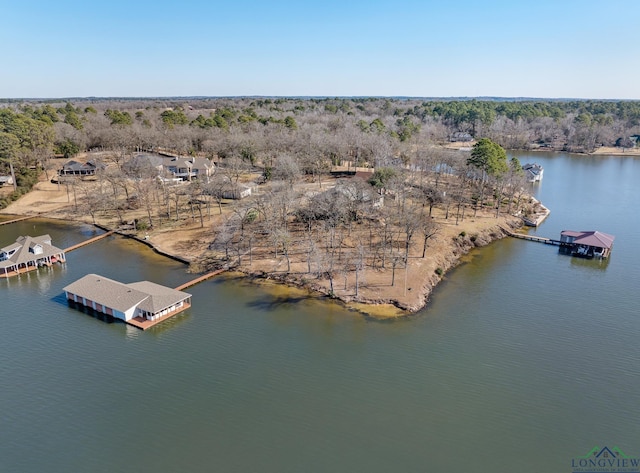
(538, 239)
(195, 281)
(7, 222)
(89, 241)
(144, 324)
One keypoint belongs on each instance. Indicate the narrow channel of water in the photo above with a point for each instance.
(524, 359)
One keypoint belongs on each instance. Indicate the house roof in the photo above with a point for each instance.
(122, 297)
(189, 163)
(106, 292)
(11, 247)
(23, 245)
(202, 163)
(161, 296)
(533, 169)
(590, 238)
(77, 166)
(532, 166)
(43, 239)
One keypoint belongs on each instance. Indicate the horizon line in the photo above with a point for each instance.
(311, 97)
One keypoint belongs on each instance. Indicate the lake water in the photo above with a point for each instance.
(524, 359)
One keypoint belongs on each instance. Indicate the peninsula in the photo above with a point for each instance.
(382, 261)
(366, 200)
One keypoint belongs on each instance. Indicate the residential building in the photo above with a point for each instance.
(75, 168)
(144, 300)
(533, 172)
(28, 253)
(184, 168)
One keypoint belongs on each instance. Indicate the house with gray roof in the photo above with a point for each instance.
(28, 253)
(533, 172)
(75, 168)
(189, 168)
(184, 168)
(139, 301)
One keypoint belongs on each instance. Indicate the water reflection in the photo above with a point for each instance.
(132, 333)
(269, 302)
(593, 264)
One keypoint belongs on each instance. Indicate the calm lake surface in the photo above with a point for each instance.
(524, 359)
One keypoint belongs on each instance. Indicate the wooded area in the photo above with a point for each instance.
(310, 212)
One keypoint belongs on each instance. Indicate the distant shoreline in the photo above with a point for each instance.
(601, 151)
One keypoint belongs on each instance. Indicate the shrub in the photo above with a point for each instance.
(439, 271)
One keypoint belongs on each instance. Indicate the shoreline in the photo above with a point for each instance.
(385, 308)
(601, 151)
(380, 306)
(389, 290)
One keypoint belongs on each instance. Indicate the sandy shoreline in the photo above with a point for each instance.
(604, 150)
(601, 151)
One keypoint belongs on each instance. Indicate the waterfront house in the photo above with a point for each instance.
(139, 301)
(533, 172)
(75, 168)
(28, 253)
(587, 244)
(177, 167)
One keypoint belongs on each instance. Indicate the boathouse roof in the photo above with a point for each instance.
(590, 238)
(24, 248)
(122, 297)
(160, 298)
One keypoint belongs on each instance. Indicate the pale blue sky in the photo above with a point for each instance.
(515, 48)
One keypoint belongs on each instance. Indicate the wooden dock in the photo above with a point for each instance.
(580, 248)
(195, 281)
(18, 272)
(538, 239)
(7, 222)
(89, 241)
(144, 324)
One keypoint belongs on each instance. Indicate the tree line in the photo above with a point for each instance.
(287, 148)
